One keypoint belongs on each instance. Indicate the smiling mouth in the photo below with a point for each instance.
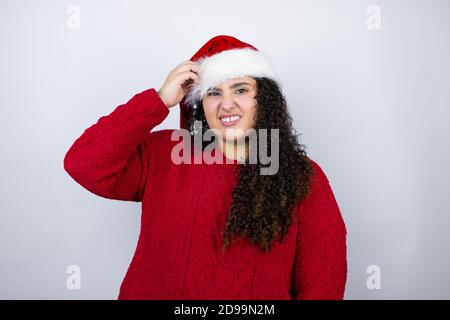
(230, 120)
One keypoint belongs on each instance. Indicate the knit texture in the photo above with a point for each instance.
(184, 210)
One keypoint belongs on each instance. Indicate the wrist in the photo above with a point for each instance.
(162, 99)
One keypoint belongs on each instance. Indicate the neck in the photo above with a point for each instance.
(235, 150)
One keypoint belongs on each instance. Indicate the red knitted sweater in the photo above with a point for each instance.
(184, 209)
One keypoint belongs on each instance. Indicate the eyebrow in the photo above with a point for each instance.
(237, 84)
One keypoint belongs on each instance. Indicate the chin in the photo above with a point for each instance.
(233, 136)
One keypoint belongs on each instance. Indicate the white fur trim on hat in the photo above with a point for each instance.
(228, 64)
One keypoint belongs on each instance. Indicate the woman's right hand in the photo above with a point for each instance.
(175, 86)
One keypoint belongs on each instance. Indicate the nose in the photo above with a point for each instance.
(228, 101)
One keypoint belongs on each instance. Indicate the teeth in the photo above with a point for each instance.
(229, 119)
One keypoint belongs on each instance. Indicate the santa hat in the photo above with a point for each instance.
(223, 57)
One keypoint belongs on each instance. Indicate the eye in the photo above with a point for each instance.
(244, 90)
(212, 93)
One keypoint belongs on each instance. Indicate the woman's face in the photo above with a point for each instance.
(230, 108)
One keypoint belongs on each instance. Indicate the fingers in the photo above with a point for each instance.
(187, 66)
(188, 76)
(188, 62)
(186, 73)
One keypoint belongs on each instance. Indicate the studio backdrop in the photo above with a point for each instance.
(367, 85)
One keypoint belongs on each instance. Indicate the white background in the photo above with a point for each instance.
(372, 106)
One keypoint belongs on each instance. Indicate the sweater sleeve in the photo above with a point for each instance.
(110, 158)
(320, 267)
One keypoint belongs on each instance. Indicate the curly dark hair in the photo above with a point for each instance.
(263, 205)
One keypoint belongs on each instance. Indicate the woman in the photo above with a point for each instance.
(220, 229)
